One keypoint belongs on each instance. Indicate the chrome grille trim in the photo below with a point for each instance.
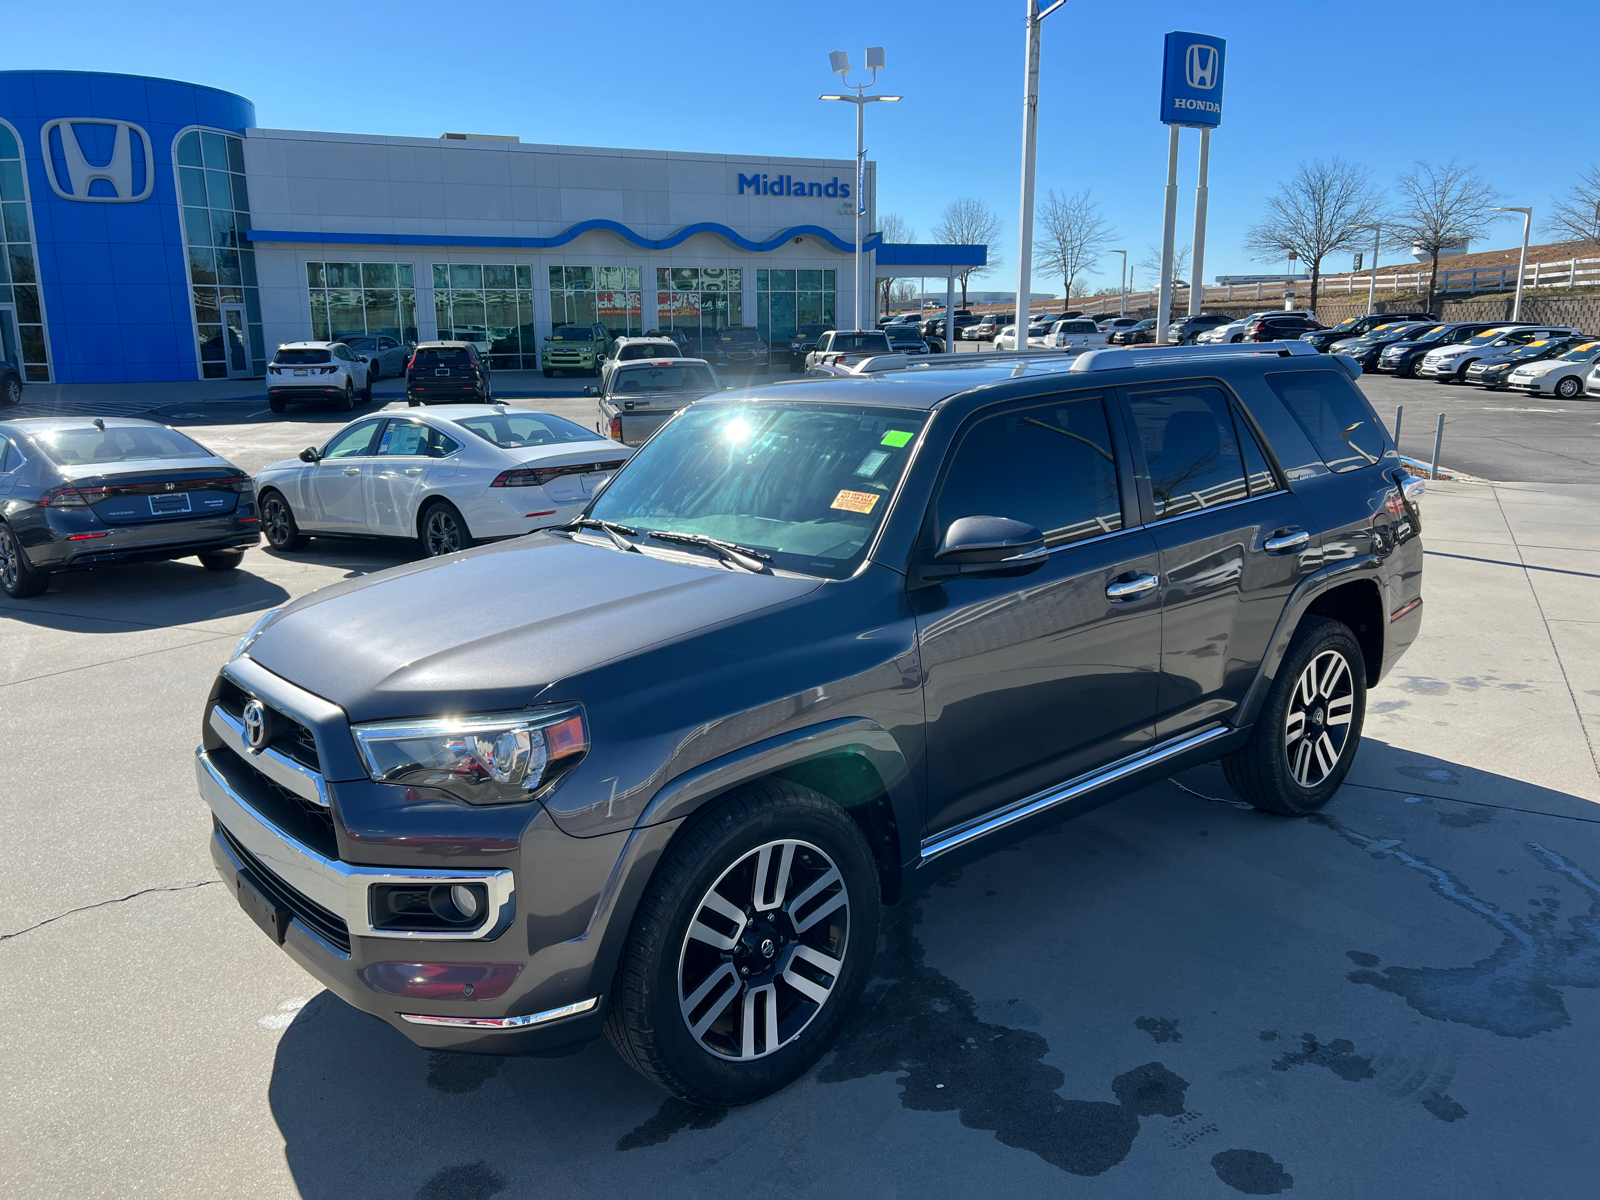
(281, 769)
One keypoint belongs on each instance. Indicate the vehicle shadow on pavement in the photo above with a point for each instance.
(145, 596)
(1175, 992)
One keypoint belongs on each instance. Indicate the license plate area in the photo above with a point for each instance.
(300, 371)
(169, 503)
(274, 921)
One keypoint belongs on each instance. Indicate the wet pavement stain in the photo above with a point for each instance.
(674, 1116)
(916, 1022)
(1515, 991)
(1160, 1028)
(454, 1074)
(1338, 1056)
(470, 1181)
(1251, 1172)
(1467, 817)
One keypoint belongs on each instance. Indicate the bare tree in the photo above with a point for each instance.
(892, 228)
(1072, 236)
(968, 222)
(1576, 216)
(1151, 262)
(1441, 207)
(1328, 205)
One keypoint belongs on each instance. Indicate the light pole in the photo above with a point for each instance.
(1522, 263)
(839, 62)
(1197, 279)
(1372, 279)
(1122, 297)
(1030, 139)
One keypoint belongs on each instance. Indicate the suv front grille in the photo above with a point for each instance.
(329, 926)
(298, 742)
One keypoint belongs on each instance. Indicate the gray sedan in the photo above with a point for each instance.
(385, 355)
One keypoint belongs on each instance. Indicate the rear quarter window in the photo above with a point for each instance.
(1336, 417)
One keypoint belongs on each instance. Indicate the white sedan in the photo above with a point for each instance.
(445, 479)
(1569, 375)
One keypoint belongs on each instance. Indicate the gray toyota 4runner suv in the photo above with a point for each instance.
(810, 647)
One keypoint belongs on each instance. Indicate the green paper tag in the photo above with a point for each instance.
(896, 438)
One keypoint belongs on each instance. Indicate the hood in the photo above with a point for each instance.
(496, 626)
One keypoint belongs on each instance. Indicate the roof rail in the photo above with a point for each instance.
(1119, 357)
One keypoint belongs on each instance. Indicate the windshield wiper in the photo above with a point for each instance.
(739, 556)
(611, 529)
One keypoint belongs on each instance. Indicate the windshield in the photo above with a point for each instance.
(807, 483)
(300, 358)
(740, 335)
(691, 377)
(516, 430)
(87, 446)
(811, 331)
(1428, 335)
(1483, 339)
(1531, 350)
(860, 341)
(904, 333)
(1395, 333)
(572, 333)
(1347, 324)
(1581, 353)
(1148, 323)
(362, 343)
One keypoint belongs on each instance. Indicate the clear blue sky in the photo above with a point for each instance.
(1381, 84)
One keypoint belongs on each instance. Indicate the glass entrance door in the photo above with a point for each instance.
(238, 353)
(10, 351)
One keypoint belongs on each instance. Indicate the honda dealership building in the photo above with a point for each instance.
(151, 231)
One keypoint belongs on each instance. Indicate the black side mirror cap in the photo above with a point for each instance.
(310, 454)
(591, 390)
(986, 547)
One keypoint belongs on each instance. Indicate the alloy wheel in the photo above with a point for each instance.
(442, 533)
(764, 951)
(13, 391)
(1318, 723)
(8, 559)
(1569, 388)
(275, 517)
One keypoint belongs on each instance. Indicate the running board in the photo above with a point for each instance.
(1039, 802)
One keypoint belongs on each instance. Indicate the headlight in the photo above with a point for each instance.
(493, 758)
(255, 631)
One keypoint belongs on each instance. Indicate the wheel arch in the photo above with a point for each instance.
(1358, 606)
(430, 500)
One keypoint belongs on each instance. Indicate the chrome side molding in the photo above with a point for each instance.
(1031, 806)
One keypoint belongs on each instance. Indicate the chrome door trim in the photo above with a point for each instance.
(496, 1023)
(301, 780)
(1136, 588)
(1039, 802)
(341, 887)
(1298, 540)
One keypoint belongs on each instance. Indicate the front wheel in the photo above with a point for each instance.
(374, 372)
(749, 948)
(1569, 388)
(548, 372)
(1309, 728)
(366, 389)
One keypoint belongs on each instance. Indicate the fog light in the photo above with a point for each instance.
(429, 908)
(465, 900)
(458, 904)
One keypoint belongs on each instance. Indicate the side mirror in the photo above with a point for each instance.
(310, 454)
(591, 390)
(987, 547)
(364, 358)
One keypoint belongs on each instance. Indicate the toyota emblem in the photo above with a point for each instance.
(255, 724)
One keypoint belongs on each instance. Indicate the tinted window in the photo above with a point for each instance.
(1052, 466)
(10, 460)
(1191, 449)
(572, 333)
(450, 357)
(877, 342)
(691, 377)
(1334, 415)
(662, 351)
(362, 344)
(300, 358)
(516, 430)
(404, 437)
(351, 441)
(442, 444)
(116, 443)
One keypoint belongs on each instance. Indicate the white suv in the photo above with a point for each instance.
(318, 371)
(1449, 364)
(1079, 333)
(629, 349)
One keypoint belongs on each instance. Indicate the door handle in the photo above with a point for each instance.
(413, 470)
(352, 470)
(1287, 541)
(1137, 588)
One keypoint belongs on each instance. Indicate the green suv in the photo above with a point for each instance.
(575, 348)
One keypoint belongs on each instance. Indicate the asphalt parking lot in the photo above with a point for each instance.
(1174, 996)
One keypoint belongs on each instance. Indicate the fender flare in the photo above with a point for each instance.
(1305, 593)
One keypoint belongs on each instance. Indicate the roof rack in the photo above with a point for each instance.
(1129, 356)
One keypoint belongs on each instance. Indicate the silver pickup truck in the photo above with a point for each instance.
(637, 397)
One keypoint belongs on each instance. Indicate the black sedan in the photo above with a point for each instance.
(904, 339)
(77, 493)
(1354, 327)
(802, 342)
(1492, 373)
(1366, 348)
(1141, 334)
(1282, 328)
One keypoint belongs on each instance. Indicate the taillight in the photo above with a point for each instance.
(65, 497)
(616, 429)
(411, 363)
(539, 476)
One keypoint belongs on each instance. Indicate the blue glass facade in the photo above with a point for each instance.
(111, 261)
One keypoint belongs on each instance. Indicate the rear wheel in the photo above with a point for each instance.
(276, 404)
(749, 948)
(1569, 388)
(347, 402)
(1309, 728)
(225, 560)
(278, 523)
(19, 580)
(443, 530)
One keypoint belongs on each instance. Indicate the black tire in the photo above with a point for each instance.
(366, 389)
(17, 578)
(225, 560)
(1281, 772)
(1569, 388)
(1406, 370)
(276, 404)
(347, 402)
(721, 850)
(374, 372)
(278, 523)
(548, 372)
(441, 529)
(11, 391)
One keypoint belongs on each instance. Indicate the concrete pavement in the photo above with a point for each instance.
(1171, 997)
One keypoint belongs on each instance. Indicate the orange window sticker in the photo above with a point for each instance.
(860, 502)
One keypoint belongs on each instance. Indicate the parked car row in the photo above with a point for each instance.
(1542, 359)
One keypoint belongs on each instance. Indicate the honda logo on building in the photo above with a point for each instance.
(1201, 66)
(81, 174)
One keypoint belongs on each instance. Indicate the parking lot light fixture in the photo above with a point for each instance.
(1030, 140)
(1522, 262)
(1372, 279)
(1122, 296)
(839, 64)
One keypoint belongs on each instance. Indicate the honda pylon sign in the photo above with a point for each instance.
(1191, 85)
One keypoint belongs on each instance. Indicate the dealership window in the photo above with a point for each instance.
(222, 266)
(786, 300)
(699, 300)
(490, 306)
(22, 339)
(354, 299)
(584, 295)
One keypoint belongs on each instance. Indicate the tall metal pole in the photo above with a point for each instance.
(1522, 264)
(1372, 282)
(861, 199)
(1122, 295)
(1030, 134)
(1169, 231)
(1197, 285)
